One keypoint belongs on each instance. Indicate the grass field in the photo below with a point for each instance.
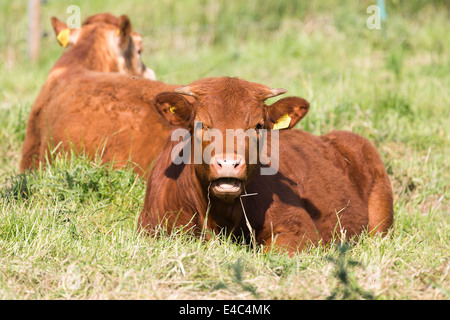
(75, 236)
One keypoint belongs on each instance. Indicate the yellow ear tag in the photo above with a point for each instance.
(282, 123)
(172, 109)
(63, 37)
(118, 32)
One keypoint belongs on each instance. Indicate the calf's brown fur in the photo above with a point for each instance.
(325, 184)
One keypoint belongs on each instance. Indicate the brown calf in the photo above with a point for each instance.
(324, 184)
(91, 101)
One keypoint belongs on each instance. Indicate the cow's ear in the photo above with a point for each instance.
(175, 108)
(286, 112)
(124, 31)
(64, 35)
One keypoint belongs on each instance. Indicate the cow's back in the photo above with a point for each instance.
(367, 172)
(324, 184)
(105, 114)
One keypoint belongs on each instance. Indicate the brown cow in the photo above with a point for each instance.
(324, 184)
(92, 103)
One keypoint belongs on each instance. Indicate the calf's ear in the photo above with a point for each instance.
(64, 35)
(124, 31)
(175, 108)
(286, 112)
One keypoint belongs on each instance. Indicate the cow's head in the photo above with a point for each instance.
(106, 39)
(228, 103)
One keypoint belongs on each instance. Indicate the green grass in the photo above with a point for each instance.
(69, 231)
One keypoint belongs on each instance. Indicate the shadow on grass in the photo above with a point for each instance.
(18, 187)
(346, 287)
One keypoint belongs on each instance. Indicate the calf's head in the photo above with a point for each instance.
(108, 42)
(222, 120)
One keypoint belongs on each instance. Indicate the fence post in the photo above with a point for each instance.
(34, 28)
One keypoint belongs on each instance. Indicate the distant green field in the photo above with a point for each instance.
(75, 236)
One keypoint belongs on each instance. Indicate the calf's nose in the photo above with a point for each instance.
(232, 166)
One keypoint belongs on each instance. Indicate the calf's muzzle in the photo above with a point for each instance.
(227, 175)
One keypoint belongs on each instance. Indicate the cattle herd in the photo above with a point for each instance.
(216, 157)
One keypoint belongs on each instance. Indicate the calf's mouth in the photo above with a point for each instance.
(226, 188)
